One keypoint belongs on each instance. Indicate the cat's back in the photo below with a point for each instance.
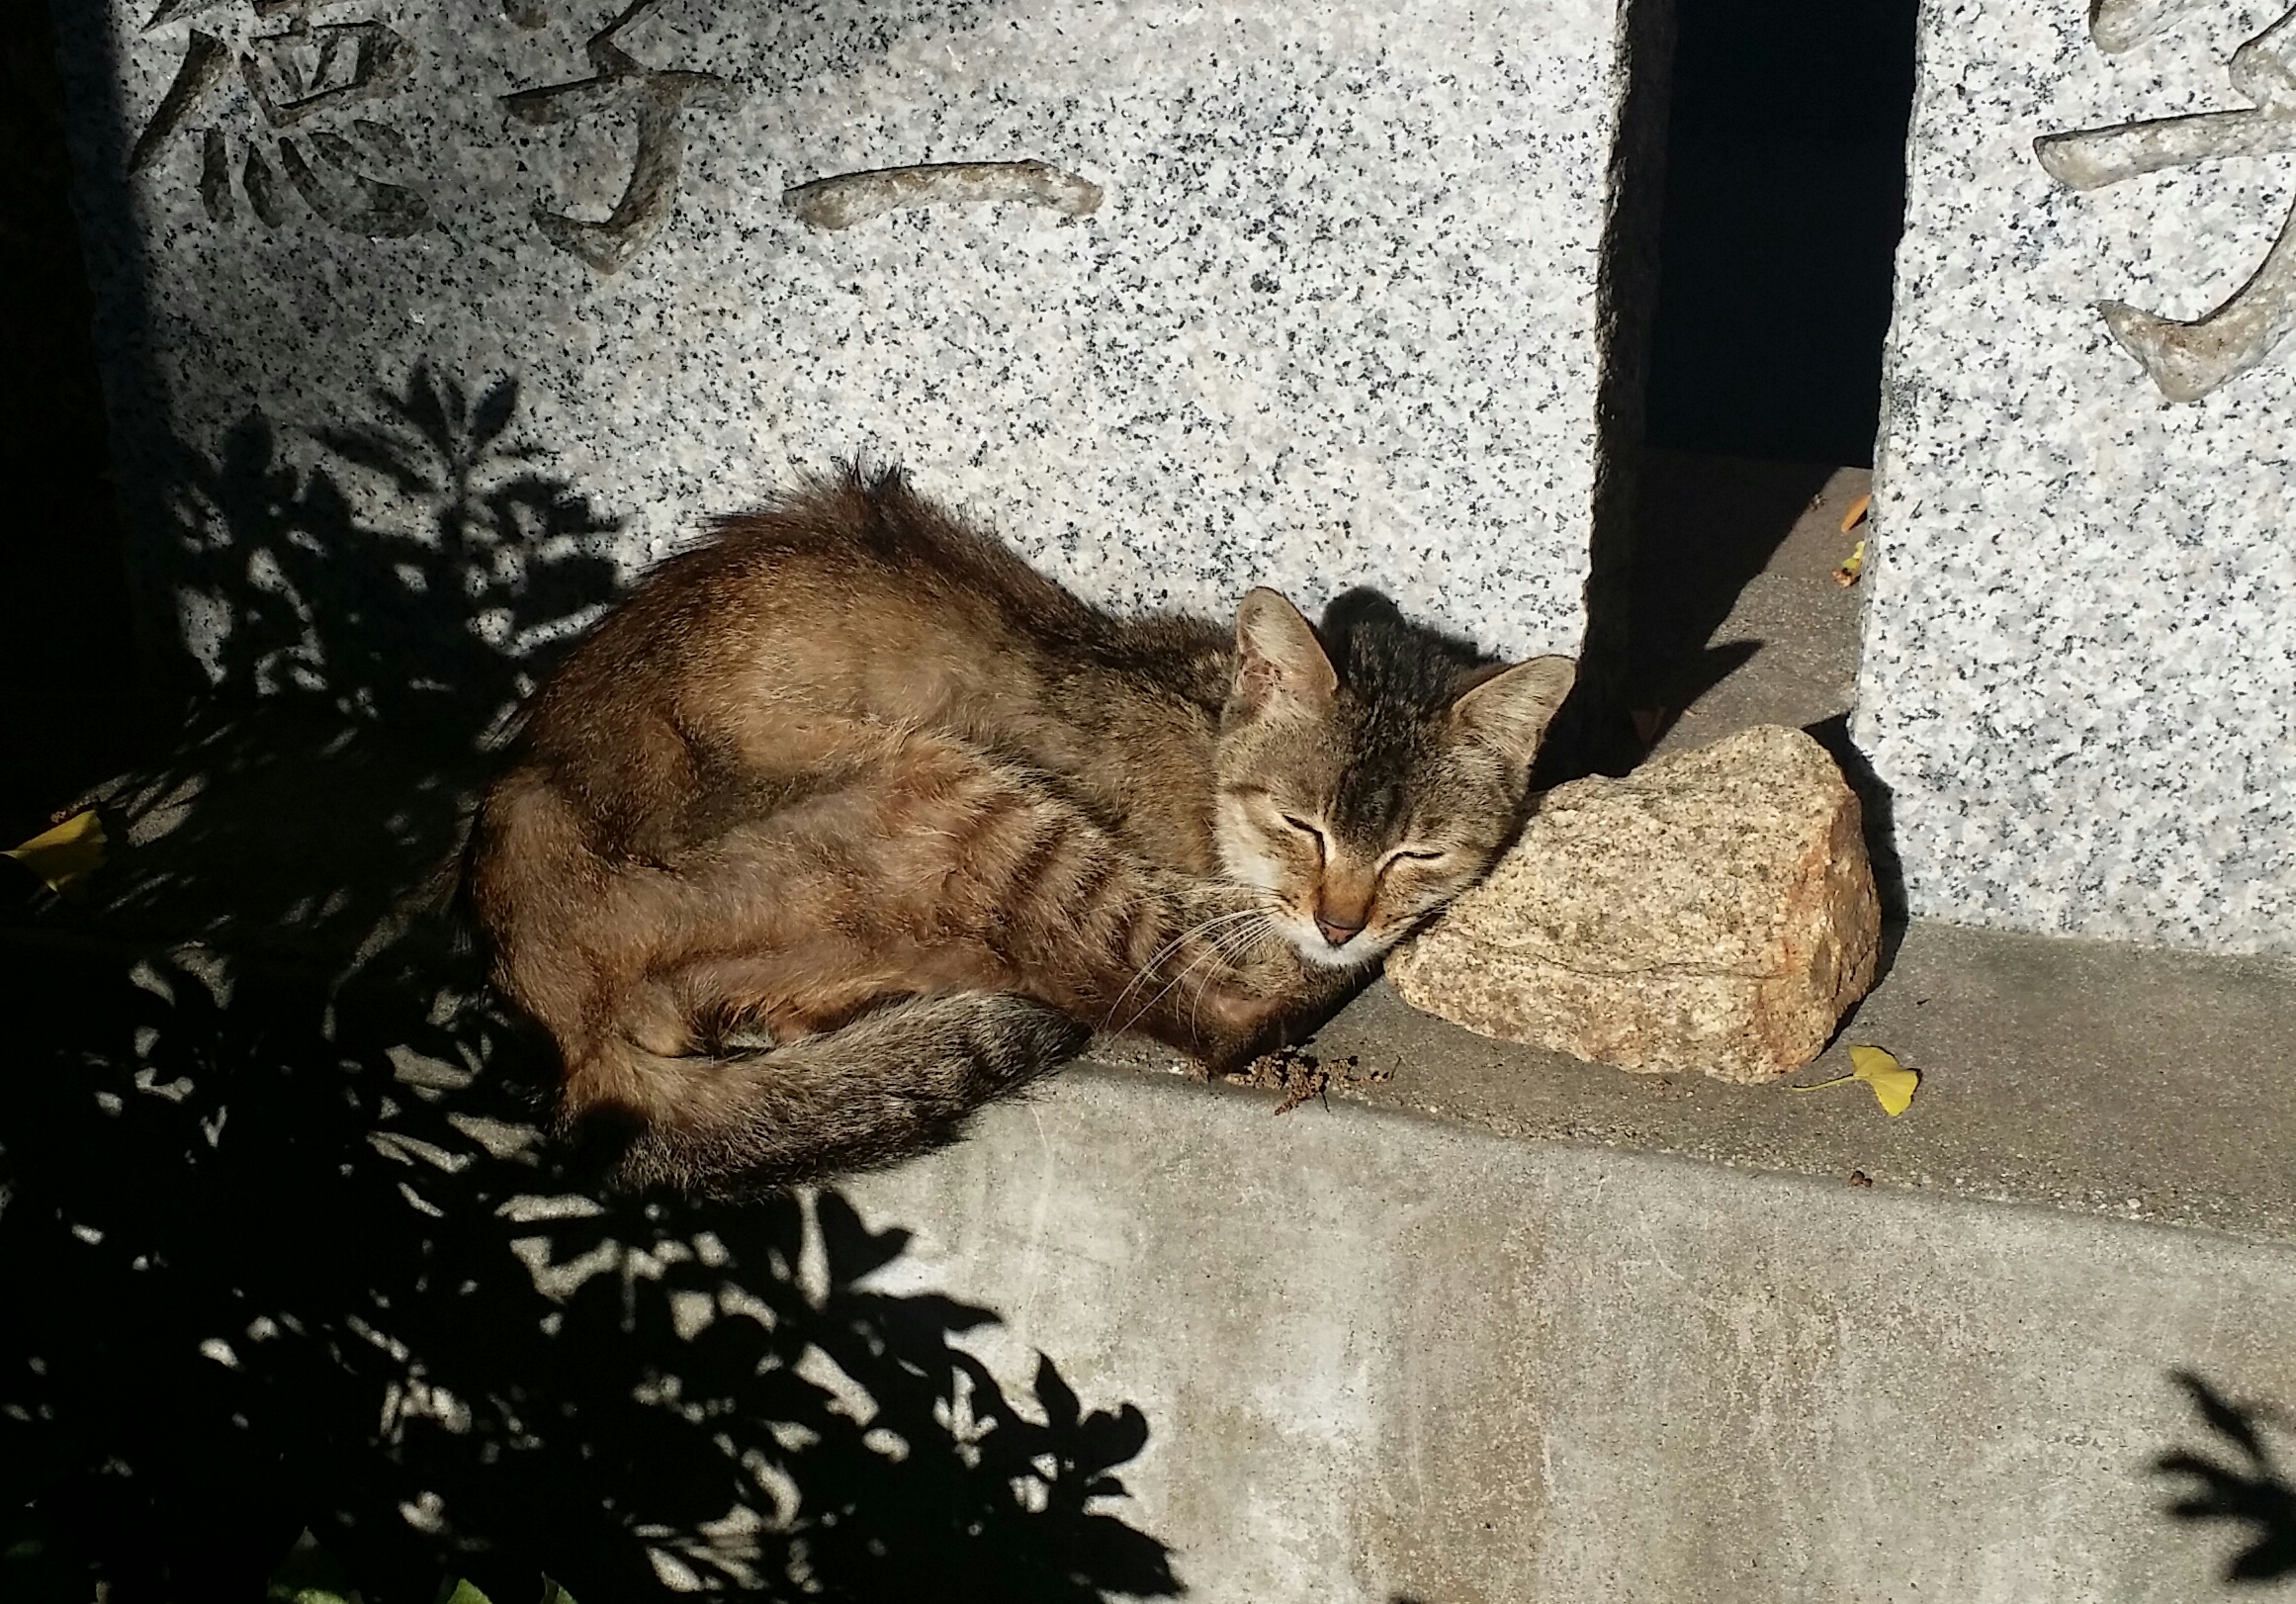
(868, 541)
(857, 604)
(853, 592)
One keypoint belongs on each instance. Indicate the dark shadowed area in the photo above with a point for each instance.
(288, 1249)
(278, 1264)
(68, 684)
(1784, 195)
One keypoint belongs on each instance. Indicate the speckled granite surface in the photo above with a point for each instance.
(1334, 320)
(2079, 671)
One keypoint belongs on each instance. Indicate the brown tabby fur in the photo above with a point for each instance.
(849, 821)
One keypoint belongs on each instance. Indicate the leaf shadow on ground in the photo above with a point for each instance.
(2237, 1483)
(276, 1268)
(283, 1248)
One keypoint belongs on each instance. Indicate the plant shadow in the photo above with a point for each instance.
(282, 1265)
(2240, 1486)
(367, 625)
(287, 1248)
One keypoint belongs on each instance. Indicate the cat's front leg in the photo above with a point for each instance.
(1243, 1026)
(1245, 989)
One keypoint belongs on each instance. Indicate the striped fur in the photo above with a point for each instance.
(847, 822)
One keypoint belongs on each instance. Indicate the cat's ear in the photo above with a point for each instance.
(1513, 707)
(1278, 657)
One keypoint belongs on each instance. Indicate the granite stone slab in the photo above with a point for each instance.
(2080, 669)
(1313, 296)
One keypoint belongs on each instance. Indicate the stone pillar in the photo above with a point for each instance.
(1313, 296)
(2080, 674)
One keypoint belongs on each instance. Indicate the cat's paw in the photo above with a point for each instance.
(1013, 1039)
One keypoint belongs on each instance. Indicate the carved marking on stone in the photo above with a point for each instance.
(377, 61)
(842, 201)
(2116, 24)
(659, 100)
(205, 64)
(291, 75)
(2187, 360)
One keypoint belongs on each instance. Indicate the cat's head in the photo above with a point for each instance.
(1364, 786)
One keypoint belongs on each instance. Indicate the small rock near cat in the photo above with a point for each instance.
(1714, 910)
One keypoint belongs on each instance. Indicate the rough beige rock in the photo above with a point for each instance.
(1714, 910)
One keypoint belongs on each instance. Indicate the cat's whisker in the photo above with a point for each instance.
(1148, 1004)
(1141, 975)
(1210, 955)
(1236, 947)
(1214, 952)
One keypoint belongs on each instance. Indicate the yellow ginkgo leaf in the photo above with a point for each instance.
(65, 855)
(1893, 1082)
(1847, 575)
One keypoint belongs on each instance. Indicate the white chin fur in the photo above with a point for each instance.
(1308, 940)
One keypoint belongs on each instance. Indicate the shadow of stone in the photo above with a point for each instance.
(2247, 1490)
(1878, 807)
(1703, 528)
(1707, 526)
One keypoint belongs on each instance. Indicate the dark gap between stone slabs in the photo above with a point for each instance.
(1784, 195)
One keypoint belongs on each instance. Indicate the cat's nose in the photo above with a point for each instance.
(1335, 934)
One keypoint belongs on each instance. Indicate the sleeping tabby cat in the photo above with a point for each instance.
(849, 821)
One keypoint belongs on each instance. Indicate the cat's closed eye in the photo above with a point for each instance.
(1305, 828)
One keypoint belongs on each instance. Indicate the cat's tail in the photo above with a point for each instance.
(893, 1083)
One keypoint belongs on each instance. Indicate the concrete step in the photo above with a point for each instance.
(1389, 1358)
(2125, 1081)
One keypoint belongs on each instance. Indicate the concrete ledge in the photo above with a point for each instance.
(2126, 1081)
(1383, 1359)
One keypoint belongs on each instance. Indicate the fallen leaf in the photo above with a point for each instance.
(1847, 575)
(1893, 1082)
(1857, 512)
(1650, 725)
(63, 857)
(462, 1592)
